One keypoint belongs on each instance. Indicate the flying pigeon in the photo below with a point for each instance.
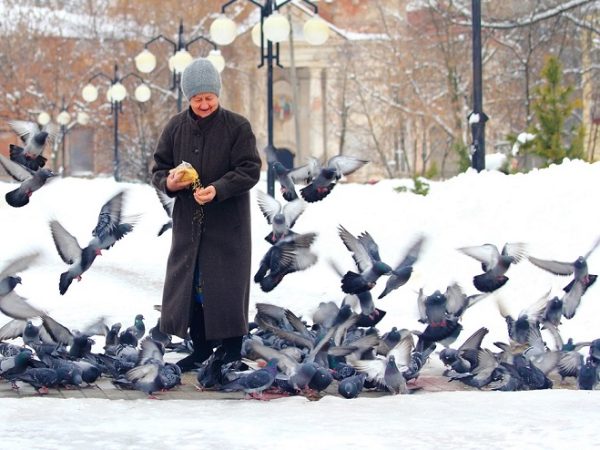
(365, 253)
(31, 181)
(494, 264)
(34, 140)
(282, 218)
(321, 180)
(402, 272)
(108, 230)
(581, 281)
(290, 254)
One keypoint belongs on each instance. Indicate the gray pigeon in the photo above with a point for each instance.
(321, 180)
(581, 281)
(145, 376)
(365, 253)
(109, 229)
(31, 181)
(33, 137)
(402, 272)
(288, 255)
(352, 386)
(494, 264)
(255, 382)
(281, 217)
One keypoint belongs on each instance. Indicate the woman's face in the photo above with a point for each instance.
(204, 104)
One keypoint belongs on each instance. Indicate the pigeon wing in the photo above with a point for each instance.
(487, 253)
(18, 264)
(292, 210)
(402, 351)
(166, 202)
(67, 246)
(110, 216)
(268, 205)
(306, 173)
(16, 307)
(516, 250)
(12, 329)
(373, 368)
(345, 165)
(555, 267)
(24, 128)
(359, 252)
(412, 254)
(15, 170)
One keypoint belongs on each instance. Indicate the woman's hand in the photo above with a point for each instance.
(205, 195)
(174, 182)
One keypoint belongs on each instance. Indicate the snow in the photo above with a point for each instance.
(548, 209)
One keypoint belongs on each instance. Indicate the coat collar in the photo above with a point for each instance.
(203, 124)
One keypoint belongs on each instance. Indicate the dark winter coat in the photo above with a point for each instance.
(222, 148)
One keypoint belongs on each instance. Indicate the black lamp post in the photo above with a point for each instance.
(146, 61)
(116, 94)
(477, 118)
(223, 32)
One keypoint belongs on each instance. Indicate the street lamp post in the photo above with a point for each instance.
(477, 118)
(272, 29)
(115, 95)
(145, 61)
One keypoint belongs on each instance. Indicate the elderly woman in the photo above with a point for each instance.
(207, 281)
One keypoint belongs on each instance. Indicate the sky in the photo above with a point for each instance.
(551, 210)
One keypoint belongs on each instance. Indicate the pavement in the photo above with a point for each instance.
(430, 381)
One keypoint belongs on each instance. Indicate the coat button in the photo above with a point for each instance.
(196, 151)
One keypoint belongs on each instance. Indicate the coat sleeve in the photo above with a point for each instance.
(245, 163)
(163, 160)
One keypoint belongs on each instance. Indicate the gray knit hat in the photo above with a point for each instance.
(200, 76)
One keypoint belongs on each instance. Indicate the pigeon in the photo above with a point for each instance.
(402, 272)
(40, 378)
(456, 360)
(365, 253)
(31, 181)
(167, 203)
(282, 218)
(255, 382)
(13, 365)
(494, 264)
(145, 376)
(286, 183)
(386, 372)
(587, 378)
(352, 386)
(290, 254)
(34, 140)
(138, 329)
(321, 180)
(582, 279)
(108, 230)
(529, 319)
(68, 248)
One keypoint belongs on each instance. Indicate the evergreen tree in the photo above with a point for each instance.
(557, 137)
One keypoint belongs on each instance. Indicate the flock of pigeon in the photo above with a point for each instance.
(283, 353)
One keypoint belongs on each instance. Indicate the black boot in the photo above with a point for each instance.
(202, 347)
(233, 349)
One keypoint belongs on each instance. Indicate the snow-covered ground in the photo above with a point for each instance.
(552, 210)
